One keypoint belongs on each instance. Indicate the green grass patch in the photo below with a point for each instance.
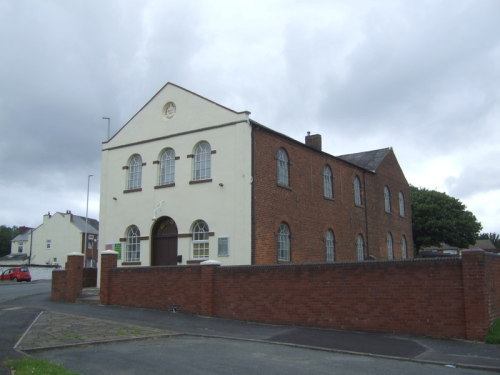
(493, 336)
(33, 366)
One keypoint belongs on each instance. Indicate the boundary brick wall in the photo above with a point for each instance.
(454, 297)
(67, 284)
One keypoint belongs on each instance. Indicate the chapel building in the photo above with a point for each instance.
(187, 180)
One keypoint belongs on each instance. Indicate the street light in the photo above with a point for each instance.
(109, 129)
(87, 216)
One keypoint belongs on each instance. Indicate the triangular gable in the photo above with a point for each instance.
(173, 110)
(369, 160)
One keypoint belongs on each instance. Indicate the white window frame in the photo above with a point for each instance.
(330, 245)
(134, 172)
(390, 247)
(387, 200)
(202, 161)
(327, 182)
(357, 191)
(282, 164)
(133, 244)
(404, 247)
(200, 240)
(360, 247)
(166, 167)
(283, 242)
(49, 244)
(402, 211)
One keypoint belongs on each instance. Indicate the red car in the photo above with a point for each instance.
(17, 274)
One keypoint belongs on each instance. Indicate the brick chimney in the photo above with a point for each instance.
(313, 141)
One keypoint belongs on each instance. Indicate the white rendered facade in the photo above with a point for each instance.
(178, 120)
(51, 242)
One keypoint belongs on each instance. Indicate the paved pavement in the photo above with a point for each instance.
(93, 339)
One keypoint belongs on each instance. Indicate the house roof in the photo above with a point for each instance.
(483, 244)
(18, 256)
(24, 236)
(369, 160)
(79, 222)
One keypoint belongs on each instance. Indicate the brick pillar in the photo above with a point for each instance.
(207, 287)
(109, 260)
(475, 294)
(74, 276)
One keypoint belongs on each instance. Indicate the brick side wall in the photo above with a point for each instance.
(67, 284)
(419, 297)
(157, 287)
(493, 285)
(433, 297)
(309, 214)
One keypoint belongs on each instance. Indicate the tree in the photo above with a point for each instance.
(6, 235)
(439, 218)
(492, 236)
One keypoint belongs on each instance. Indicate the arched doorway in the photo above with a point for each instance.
(164, 249)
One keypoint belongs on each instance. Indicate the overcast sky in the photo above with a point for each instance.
(420, 76)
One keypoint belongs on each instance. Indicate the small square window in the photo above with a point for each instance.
(49, 244)
(223, 248)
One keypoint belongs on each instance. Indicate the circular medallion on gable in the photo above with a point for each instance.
(169, 110)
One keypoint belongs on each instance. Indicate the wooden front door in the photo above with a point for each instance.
(164, 252)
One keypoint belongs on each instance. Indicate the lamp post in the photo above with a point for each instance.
(109, 128)
(87, 216)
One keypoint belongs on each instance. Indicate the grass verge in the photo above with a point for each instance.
(493, 336)
(33, 366)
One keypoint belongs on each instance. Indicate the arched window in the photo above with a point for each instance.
(284, 243)
(133, 245)
(402, 211)
(202, 161)
(327, 182)
(282, 164)
(360, 247)
(134, 172)
(200, 240)
(330, 246)
(357, 191)
(404, 247)
(387, 199)
(390, 250)
(166, 173)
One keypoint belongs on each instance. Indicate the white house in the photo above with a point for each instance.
(58, 235)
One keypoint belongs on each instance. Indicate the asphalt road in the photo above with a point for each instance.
(10, 290)
(208, 346)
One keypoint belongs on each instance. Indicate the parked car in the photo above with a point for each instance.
(16, 274)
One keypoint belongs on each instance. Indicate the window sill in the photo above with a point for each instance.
(192, 182)
(131, 263)
(196, 261)
(164, 186)
(329, 199)
(284, 187)
(132, 190)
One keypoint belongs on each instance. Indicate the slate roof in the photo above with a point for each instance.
(369, 160)
(93, 224)
(23, 236)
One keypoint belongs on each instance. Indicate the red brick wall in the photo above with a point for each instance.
(433, 297)
(414, 297)
(157, 287)
(67, 284)
(309, 215)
